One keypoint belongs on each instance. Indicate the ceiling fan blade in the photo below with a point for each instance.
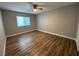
(40, 8)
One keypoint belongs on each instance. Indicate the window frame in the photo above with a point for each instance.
(24, 22)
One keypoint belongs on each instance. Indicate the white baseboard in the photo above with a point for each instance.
(42, 31)
(19, 33)
(57, 34)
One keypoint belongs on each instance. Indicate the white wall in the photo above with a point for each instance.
(2, 37)
(62, 21)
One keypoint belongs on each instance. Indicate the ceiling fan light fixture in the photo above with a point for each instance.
(34, 10)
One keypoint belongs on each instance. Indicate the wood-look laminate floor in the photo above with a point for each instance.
(40, 44)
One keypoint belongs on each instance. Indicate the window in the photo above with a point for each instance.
(23, 21)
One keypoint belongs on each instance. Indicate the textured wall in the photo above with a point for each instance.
(9, 18)
(61, 21)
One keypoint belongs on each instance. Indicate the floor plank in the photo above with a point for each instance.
(40, 44)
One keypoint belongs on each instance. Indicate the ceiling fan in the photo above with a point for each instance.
(36, 6)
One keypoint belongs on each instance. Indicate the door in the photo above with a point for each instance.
(2, 37)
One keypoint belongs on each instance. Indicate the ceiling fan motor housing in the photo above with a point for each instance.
(35, 6)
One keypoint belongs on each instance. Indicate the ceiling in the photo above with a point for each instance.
(26, 7)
